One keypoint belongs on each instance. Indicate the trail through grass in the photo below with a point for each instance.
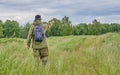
(68, 55)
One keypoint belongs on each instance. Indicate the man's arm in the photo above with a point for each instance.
(48, 25)
(29, 37)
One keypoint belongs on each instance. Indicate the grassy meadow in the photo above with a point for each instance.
(68, 55)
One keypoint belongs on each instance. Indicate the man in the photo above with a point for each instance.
(40, 49)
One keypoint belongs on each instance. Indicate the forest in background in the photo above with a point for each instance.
(63, 27)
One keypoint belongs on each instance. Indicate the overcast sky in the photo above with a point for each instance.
(79, 11)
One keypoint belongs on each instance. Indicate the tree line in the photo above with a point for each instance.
(11, 28)
(63, 27)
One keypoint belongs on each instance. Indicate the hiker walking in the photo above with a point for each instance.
(39, 44)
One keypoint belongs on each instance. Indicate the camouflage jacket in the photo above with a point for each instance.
(36, 45)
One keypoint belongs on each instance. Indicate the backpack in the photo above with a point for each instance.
(38, 35)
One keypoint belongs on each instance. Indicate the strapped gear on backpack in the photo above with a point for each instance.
(38, 33)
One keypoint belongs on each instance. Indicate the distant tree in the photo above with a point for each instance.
(11, 29)
(16, 29)
(24, 30)
(76, 30)
(80, 29)
(66, 26)
(96, 27)
(115, 27)
(104, 28)
(1, 28)
(90, 29)
(55, 29)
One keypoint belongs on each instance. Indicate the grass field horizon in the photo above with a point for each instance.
(68, 55)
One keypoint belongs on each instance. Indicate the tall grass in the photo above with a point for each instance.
(68, 55)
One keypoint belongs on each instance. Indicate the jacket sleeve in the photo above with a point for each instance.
(30, 35)
(46, 27)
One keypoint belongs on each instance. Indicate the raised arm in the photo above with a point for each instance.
(48, 25)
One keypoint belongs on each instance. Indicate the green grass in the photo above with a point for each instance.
(68, 55)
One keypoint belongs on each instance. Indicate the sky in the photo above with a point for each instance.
(78, 11)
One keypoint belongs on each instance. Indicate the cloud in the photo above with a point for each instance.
(21, 18)
(47, 11)
(78, 11)
(102, 19)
